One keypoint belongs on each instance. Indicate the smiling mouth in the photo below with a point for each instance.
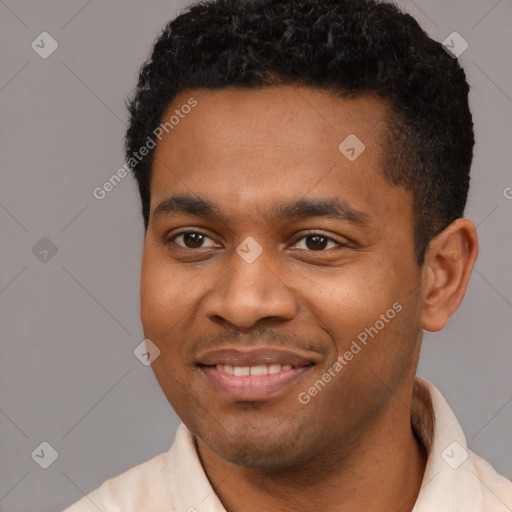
(256, 370)
(239, 373)
(253, 383)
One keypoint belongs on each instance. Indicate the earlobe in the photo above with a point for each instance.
(449, 262)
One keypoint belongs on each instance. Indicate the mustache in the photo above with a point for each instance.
(260, 337)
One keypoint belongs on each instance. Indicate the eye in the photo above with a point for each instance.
(317, 242)
(190, 240)
(314, 241)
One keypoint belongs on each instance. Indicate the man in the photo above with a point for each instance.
(303, 167)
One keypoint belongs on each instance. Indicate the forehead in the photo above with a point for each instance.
(250, 146)
(302, 118)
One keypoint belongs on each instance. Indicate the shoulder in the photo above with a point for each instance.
(143, 488)
(455, 478)
(496, 489)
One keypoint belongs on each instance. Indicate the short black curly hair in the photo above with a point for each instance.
(349, 47)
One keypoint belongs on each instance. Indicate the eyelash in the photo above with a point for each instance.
(306, 235)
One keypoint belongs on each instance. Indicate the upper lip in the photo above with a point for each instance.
(253, 357)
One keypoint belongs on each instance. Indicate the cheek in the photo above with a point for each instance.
(163, 306)
(163, 295)
(372, 320)
(347, 301)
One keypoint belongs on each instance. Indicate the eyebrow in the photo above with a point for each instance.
(300, 209)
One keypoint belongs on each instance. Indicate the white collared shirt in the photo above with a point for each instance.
(455, 479)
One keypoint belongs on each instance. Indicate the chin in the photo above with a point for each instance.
(253, 456)
(258, 449)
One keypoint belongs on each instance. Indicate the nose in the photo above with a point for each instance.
(248, 293)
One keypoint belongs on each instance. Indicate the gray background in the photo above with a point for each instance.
(69, 325)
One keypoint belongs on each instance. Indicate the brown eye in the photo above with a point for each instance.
(191, 240)
(317, 242)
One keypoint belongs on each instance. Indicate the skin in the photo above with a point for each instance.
(351, 447)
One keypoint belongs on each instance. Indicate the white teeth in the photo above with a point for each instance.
(274, 368)
(260, 369)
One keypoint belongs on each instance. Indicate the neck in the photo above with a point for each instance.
(380, 470)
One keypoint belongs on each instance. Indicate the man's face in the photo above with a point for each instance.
(282, 291)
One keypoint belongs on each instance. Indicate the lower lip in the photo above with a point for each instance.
(252, 387)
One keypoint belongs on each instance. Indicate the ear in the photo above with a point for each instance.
(449, 261)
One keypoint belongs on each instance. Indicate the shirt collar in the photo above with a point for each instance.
(190, 488)
(449, 482)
